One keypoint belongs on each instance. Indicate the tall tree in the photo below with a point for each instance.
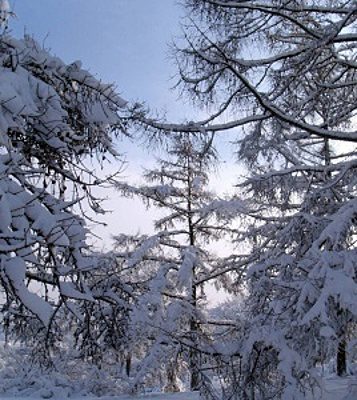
(285, 72)
(53, 117)
(177, 260)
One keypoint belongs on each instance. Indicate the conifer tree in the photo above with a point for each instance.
(284, 72)
(177, 260)
(53, 117)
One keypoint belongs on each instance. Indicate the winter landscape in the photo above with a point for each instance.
(185, 239)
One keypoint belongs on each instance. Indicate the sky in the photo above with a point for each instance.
(124, 42)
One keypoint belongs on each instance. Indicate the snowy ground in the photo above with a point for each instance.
(340, 389)
(176, 396)
(334, 389)
(156, 396)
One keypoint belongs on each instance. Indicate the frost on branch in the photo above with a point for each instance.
(174, 265)
(52, 117)
(50, 109)
(5, 12)
(284, 74)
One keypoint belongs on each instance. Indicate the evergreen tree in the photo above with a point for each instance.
(53, 117)
(177, 261)
(285, 73)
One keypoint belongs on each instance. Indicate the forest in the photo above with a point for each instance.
(277, 80)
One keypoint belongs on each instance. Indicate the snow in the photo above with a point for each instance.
(159, 396)
(69, 290)
(5, 11)
(334, 389)
(4, 6)
(15, 269)
(156, 396)
(340, 389)
(189, 261)
(40, 92)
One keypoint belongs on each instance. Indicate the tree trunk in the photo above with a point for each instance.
(194, 361)
(194, 356)
(128, 364)
(171, 385)
(341, 358)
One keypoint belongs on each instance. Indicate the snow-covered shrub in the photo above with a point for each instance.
(21, 377)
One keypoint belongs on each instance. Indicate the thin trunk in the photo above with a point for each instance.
(171, 379)
(128, 364)
(341, 358)
(341, 361)
(327, 152)
(194, 356)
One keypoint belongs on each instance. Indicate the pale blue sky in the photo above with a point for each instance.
(123, 41)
